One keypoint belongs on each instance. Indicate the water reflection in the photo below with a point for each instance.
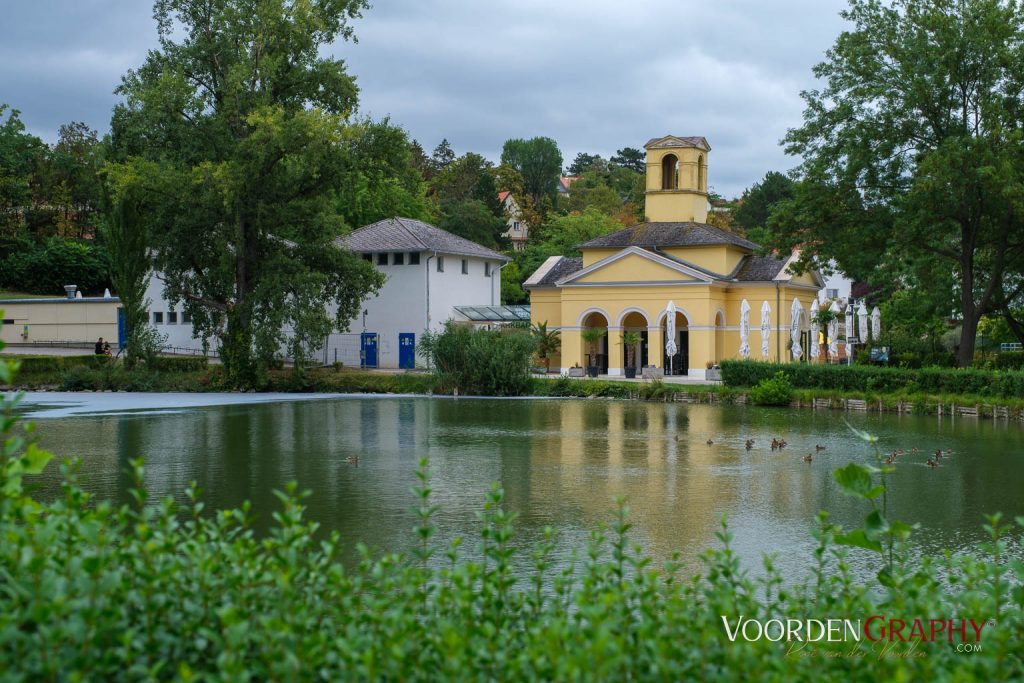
(561, 464)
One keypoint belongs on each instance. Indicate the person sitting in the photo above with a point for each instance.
(106, 350)
(99, 347)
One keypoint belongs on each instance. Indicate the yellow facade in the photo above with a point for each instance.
(626, 281)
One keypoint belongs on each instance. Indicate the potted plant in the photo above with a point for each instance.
(825, 316)
(593, 335)
(630, 340)
(576, 370)
(547, 343)
(714, 373)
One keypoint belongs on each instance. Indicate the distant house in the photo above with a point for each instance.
(518, 231)
(565, 182)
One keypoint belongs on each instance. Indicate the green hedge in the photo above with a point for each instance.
(43, 364)
(1009, 360)
(878, 379)
(179, 363)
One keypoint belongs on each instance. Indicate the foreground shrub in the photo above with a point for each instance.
(89, 591)
(478, 361)
(178, 363)
(775, 391)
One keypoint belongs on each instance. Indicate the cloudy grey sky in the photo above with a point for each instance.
(595, 75)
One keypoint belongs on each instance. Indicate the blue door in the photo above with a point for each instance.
(368, 350)
(406, 350)
(122, 334)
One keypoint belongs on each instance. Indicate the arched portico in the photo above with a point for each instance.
(595, 353)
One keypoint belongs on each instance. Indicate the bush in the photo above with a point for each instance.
(178, 363)
(45, 267)
(866, 378)
(54, 364)
(1008, 360)
(775, 391)
(481, 362)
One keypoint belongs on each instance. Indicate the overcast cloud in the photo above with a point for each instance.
(595, 75)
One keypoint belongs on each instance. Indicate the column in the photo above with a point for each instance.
(614, 341)
(655, 347)
(572, 346)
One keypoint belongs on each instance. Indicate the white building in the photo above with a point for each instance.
(518, 231)
(429, 273)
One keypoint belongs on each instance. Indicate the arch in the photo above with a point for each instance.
(702, 179)
(660, 322)
(670, 172)
(593, 309)
(633, 309)
(719, 335)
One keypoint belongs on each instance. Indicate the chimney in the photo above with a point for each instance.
(70, 289)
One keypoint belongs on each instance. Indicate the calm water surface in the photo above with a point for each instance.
(560, 462)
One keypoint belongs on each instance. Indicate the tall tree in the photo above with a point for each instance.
(758, 200)
(443, 155)
(469, 177)
(233, 131)
(539, 162)
(631, 158)
(586, 162)
(920, 120)
(475, 221)
(20, 153)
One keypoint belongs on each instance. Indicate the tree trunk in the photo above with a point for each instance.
(969, 330)
(1015, 326)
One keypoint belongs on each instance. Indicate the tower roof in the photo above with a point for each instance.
(696, 141)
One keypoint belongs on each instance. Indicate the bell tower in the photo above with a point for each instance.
(677, 179)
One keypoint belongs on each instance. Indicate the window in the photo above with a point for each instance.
(400, 258)
(382, 259)
(414, 258)
(515, 226)
(440, 264)
(831, 293)
(465, 266)
(158, 318)
(487, 269)
(670, 172)
(368, 257)
(172, 318)
(8, 321)
(185, 317)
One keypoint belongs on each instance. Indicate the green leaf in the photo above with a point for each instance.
(855, 480)
(875, 524)
(859, 539)
(36, 459)
(885, 578)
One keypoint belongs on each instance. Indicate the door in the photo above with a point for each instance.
(368, 350)
(122, 333)
(406, 350)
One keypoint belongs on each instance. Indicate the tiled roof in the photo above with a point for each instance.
(668, 235)
(760, 268)
(407, 234)
(503, 195)
(560, 270)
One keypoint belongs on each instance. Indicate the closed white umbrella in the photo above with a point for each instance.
(833, 330)
(766, 327)
(862, 322)
(815, 349)
(876, 322)
(796, 313)
(848, 320)
(744, 329)
(670, 333)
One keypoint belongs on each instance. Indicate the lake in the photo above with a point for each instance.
(561, 462)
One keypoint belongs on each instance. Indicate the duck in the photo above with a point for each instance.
(782, 444)
(819, 447)
(352, 460)
(749, 444)
(775, 444)
(931, 463)
(808, 458)
(710, 442)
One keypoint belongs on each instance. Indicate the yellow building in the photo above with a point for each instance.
(626, 280)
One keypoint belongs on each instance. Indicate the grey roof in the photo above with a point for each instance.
(669, 235)
(561, 270)
(407, 234)
(690, 140)
(760, 268)
(516, 313)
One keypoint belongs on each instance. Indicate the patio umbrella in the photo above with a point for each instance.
(766, 327)
(794, 328)
(744, 329)
(876, 322)
(815, 350)
(670, 333)
(848, 320)
(862, 322)
(833, 330)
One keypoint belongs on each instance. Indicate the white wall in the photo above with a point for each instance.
(838, 281)
(402, 305)
(179, 334)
